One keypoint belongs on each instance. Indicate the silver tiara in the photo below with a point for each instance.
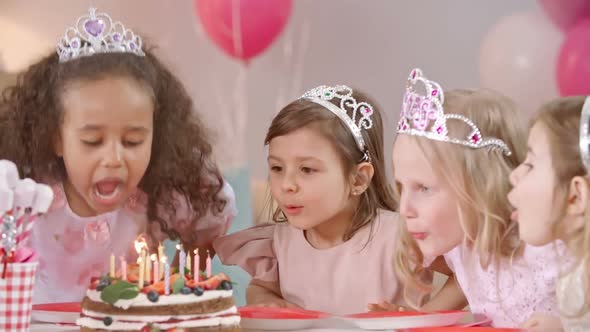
(423, 115)
(322, 95)
(97, 33)
(584, 134)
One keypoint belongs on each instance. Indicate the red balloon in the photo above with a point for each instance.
(573, 64)
(260, 23)
(566, 13)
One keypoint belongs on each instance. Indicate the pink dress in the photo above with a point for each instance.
(511, 293)
(341, 280)
(72, 249)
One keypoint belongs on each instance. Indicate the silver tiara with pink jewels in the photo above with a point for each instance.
(585, 134)
(97, 33)
(423, 115)
(360, 111)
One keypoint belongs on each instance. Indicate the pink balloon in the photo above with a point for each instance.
(566, 13)
(261, 21)
(518, 57)
(573, 64)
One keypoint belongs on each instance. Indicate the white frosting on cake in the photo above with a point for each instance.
(158, 318)
(122, 326)
(142, 301)
(126, 322)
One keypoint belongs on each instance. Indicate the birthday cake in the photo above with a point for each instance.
(173, 304)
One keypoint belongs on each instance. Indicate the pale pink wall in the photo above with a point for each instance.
(370, 44)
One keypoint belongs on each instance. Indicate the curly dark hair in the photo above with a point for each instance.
(31, 115)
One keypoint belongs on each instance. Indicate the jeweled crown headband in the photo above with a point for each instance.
(585, 134)
(324, 95)
(422, 114)
(96, 33)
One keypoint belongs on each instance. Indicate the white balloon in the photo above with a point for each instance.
(8, 173)
(24, 193)
(518, 57)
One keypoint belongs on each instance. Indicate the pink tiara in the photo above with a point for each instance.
(423, 115)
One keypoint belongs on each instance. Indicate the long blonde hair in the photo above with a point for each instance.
(561, 121)
(478, 178)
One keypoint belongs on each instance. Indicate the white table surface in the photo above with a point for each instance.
(326, 325)
(42, 327)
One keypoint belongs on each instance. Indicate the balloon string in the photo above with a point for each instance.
(236, 25)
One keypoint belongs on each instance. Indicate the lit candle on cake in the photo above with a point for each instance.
(154, 258)
(166, 276)
(181, 259)
(144, 259)
(197, 268)
(112, 272)
(188, 262)
(208, 265)
(123, 268)
(140, 244)
(148, 270)
(140, 272)
(161, 259)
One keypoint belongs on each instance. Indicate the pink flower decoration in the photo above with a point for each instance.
(72, 240)
(98, 232)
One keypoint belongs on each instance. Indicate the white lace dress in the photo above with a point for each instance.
(512, 292)
(570, 296)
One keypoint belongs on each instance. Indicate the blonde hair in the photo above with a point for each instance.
(479, 179)
(561, 121)
(304, 113)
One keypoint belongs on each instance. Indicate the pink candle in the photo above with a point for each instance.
(197, 264)
(156, 268)
(208, 266)
(123, 268)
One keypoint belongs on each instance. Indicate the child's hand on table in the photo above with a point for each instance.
(386, 306)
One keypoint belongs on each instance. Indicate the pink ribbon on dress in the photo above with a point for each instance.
(97, 231)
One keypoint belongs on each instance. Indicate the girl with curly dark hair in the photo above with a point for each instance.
(116, 135)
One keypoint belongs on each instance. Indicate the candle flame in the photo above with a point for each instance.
(196, 251)
(154, 257)
(140, 244)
